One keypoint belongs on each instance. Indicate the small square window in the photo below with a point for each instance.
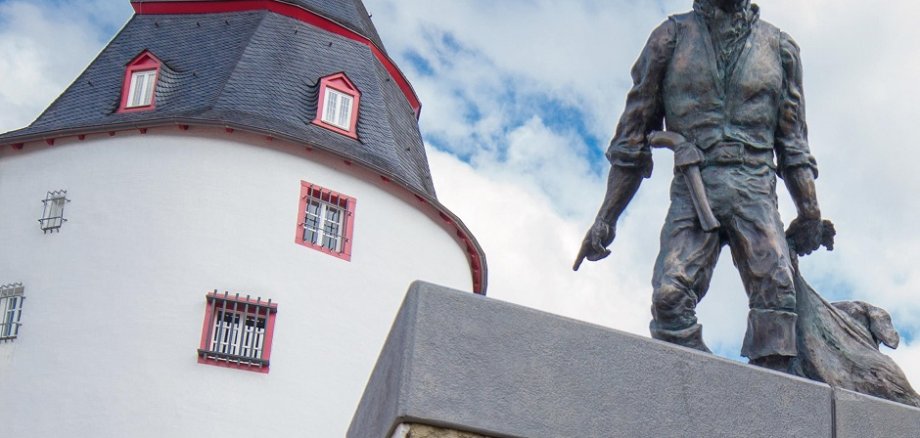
(140, 92)
(53, 212)
(325, 220)
(237, 332)
(11, 299)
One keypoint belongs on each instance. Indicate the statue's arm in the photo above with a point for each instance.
(795, 163)
(800, 181)
(629, 154)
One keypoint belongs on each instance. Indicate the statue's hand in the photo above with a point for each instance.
(594, 246)
(807, 235)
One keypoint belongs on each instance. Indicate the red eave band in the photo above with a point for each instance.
(288, 10)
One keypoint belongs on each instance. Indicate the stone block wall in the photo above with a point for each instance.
(469, 363)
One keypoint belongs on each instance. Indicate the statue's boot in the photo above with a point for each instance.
(691, 337)
(774, 362)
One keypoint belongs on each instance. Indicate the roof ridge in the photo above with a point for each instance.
(236, 63)
(360, 23)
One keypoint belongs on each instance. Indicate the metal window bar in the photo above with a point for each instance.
(237, 336)
(221, 318)
(311, 227)
(331, 228)
(53, 211)
(246, 349)
(11, 300)
(324, 219)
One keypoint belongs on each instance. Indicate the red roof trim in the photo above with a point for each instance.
(288, 10)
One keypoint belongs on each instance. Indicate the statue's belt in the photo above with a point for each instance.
(734, 152)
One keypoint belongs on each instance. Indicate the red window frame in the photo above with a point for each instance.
(336, 199)
(144, 62)
(244, 307)
(338, 82)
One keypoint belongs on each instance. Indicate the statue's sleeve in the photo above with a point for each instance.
(644, 110)
(791, 130)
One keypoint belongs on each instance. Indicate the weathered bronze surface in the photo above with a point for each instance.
(728, 86)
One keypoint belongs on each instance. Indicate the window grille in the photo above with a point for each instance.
(11, 299)
(237, 331)
(140, 92)
(53, 212)
(337, 109)
(326, 220)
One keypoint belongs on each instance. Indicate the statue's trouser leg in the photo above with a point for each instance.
(683, 270)
(744, 200)
(758, 245)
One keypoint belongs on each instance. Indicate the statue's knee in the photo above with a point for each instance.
(670, 298)
(774, 292)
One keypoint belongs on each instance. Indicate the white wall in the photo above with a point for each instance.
(115, 301)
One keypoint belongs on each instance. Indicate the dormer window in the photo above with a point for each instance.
(339, 100)
(140, 84)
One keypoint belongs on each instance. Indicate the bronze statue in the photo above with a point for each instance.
(728, 87)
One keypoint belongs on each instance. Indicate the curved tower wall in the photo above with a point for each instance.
(115, 300)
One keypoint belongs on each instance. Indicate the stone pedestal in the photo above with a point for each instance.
(423, 431)
(464, 363)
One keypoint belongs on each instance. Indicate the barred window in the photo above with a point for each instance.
(53, 211)
(237, 332)
(323, 224)
(325, 221)
(11, 299)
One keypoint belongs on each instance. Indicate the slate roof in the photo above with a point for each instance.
(255, 71)
(350, 13)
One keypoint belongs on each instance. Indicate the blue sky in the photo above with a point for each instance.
(521, 97)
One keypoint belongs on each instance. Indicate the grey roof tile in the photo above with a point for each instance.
(350, 13)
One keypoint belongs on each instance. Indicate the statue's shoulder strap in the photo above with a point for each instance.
(772, 33)
(681, 21)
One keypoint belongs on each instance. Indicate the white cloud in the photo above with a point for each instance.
(44, 46)
(907, 357)
(530, 249)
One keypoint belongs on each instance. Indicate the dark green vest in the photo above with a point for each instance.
(707, 109)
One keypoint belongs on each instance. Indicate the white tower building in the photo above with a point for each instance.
(209, 232)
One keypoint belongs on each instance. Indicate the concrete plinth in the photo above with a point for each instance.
(468, 363)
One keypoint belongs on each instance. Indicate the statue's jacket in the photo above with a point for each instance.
(676, 79)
